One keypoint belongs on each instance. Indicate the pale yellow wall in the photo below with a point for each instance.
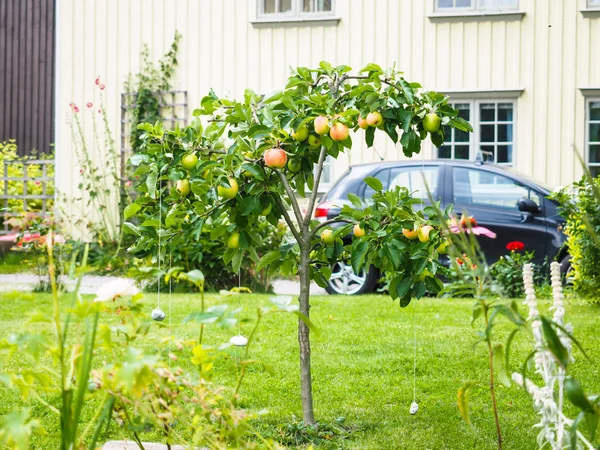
(549, 52)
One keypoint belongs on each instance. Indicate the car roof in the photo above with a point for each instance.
(497, 168)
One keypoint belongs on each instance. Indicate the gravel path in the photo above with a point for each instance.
(91, 283)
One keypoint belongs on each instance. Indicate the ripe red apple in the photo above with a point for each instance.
(230, 192)
(233, 241)
(410, 234)
(301, 134)
(321, 125)
(374, 119)
(431, 122)
(362, 123)
(358, 231)
(189, 161)
(424, 233)
(339, 132)
(327, 237)
(275, 158)
(314, 141)
(183, 187)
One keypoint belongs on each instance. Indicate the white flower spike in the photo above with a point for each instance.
(115, 289)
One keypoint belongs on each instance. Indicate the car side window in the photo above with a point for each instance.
(481, 188)
(383, 176)
(416, 179)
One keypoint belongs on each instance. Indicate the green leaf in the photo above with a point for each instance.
(498, 358)
(403, 286)
(554, 344)
(370, 136)
(355, 200)
(371, 67)
(359, 253)
(130, 228)
(193, 276)
(576, 395)
(591, 420)
(236, 262)
(131, 210)
(374, 183)
(16, 428)
(254, 169)
(463, 400)
(267, 259)
(151, 184)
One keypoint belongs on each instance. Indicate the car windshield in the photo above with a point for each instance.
(522, 175)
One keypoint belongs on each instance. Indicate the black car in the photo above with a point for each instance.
(512, 205)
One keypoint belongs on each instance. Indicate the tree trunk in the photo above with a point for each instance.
(304, 335)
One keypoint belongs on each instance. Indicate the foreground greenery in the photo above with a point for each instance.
(363, 363)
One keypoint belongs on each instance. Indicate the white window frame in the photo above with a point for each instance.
(296, 13)
(475, 137)
(588, 121)
(476, 6)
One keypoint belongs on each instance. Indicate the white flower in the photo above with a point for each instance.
(59, 239)
(114, 289)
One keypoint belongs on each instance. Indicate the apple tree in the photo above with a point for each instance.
(252, 159)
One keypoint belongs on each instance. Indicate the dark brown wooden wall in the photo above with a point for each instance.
(27, 73)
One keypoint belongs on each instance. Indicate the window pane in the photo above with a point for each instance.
(508, 4)
(487, 112)
(594, 135)
(269, 6)
(463, 3)
(285, 5)
(447, 133)
(595, 170)
(445, 3)
(505, 112)
(487, 133)
(464, 110)
(307, 5)
(323, 5)
(445, 152)
(487, 4)
(416, 179)
(461, 136)
(595, 109)
(594, 2)
(504, 154)
(504, 133)
(477, 187)
(594, 154)
(461, 152)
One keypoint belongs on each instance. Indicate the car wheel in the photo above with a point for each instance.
(344, 281)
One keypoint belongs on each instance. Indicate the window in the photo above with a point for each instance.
(472, 187)
(477, 5)
(593, 3)
(413, 178)
(593, 136)
(493, 132)
(294, 9)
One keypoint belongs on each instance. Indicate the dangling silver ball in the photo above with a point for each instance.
(239, 341)
(414, 407)
(158, 315)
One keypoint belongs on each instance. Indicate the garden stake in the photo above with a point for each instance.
(239, 340)
(157, 313)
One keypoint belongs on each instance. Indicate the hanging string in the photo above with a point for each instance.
(159, 245)
(415, 354)
(170, 303)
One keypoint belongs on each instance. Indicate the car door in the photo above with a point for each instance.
(492, 199)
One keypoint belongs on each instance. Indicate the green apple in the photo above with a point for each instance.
(228, 192)
(233, 241)
(189, 161)
(301, 134)
(327, 237)
(431, 122)
(314, 141)
(266, 211)
(424, 233)
(183, 187)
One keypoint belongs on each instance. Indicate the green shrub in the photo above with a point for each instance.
(581, 209)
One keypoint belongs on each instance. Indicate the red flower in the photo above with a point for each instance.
(515, 246)
(76, 109)
(459, 261)
(97, 81)
(102, 87)
(90, 104)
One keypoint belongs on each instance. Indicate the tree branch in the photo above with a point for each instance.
(330, 222)
(290, 193)
(287, 218)
(315, 189)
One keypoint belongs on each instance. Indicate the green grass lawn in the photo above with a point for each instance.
(362, 369)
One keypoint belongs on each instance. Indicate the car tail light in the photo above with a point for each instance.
(322, 210)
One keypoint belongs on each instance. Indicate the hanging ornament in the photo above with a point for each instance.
(239, 341)
(414, 407)
(158, 315)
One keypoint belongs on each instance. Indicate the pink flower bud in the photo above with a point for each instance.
(76, 109)
(37, 183)
(97, 81)
(128, 183)
(99, 111)
(80, 171)
(90, 104)
(102, 87)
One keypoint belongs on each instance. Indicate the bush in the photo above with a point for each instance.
(507, 272)
(581, 209)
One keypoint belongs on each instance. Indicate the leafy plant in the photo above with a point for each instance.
(251, 140)
(508, 270)
(579, 206)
